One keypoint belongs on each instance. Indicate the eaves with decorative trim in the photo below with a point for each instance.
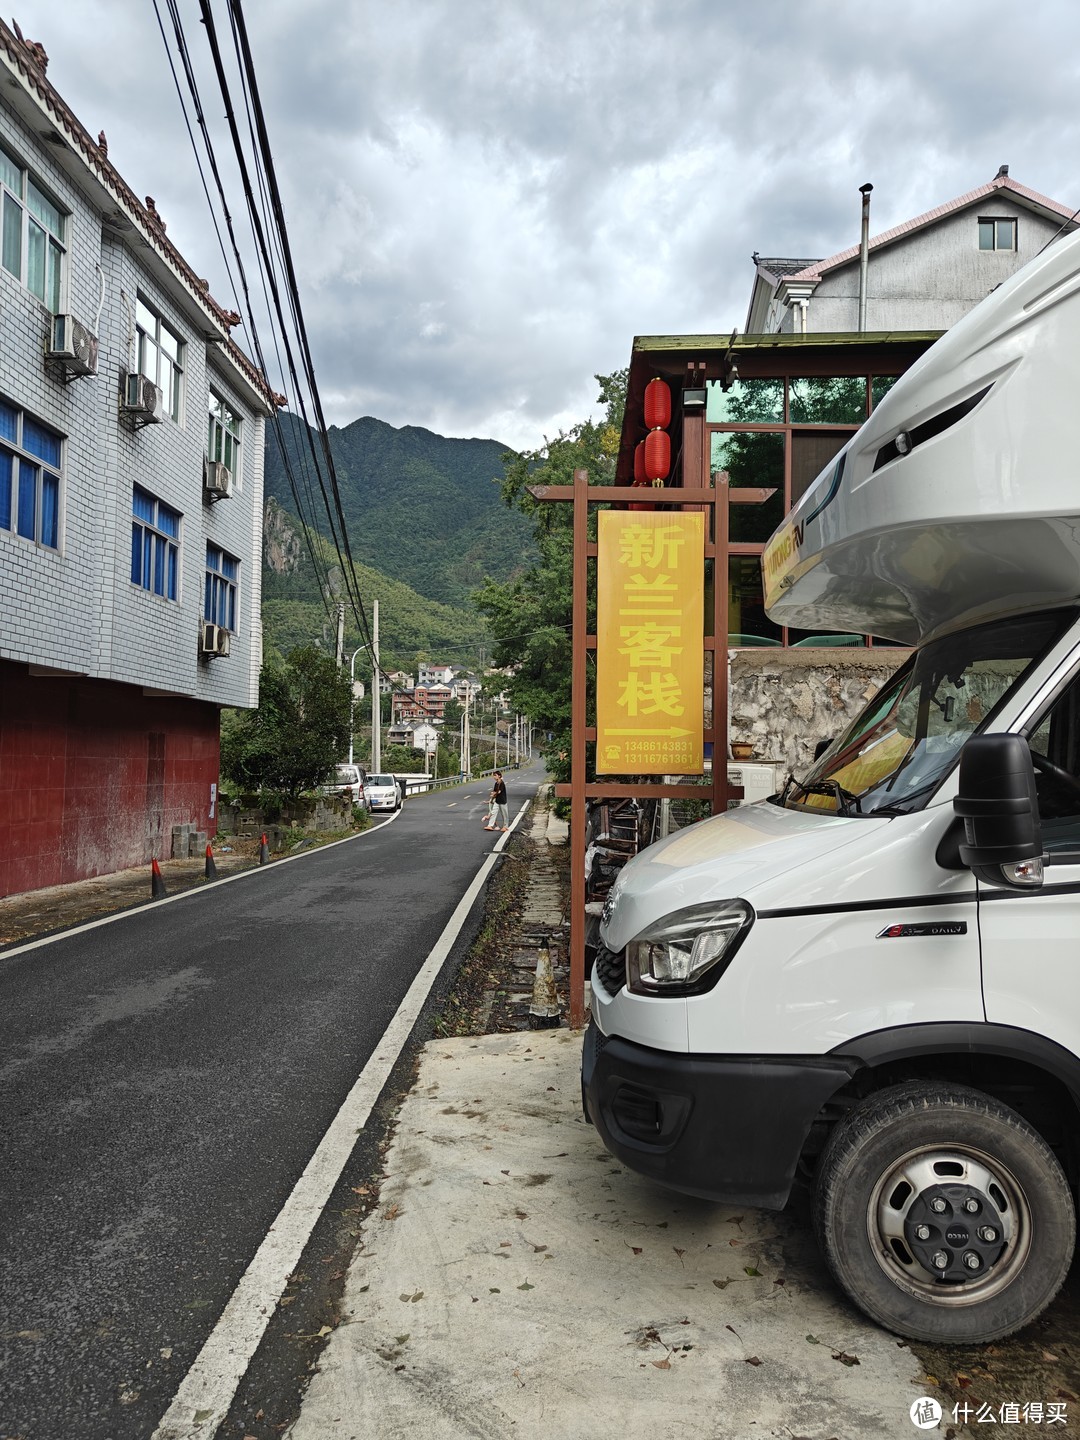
(39, 105)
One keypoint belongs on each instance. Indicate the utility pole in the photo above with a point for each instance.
(340, 653)
(352, 697)
(466, 748)
(376, 693)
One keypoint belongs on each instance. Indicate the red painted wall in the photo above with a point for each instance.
(93, 775)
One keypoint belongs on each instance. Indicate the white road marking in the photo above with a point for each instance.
(206, 1392)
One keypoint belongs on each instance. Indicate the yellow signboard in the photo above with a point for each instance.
(649, 642)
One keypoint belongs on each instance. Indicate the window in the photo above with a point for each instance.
(29, 478)
(155, 545)
(1055, 752)
(222, 571)
(995, 234)
(160, 356)
(223, 439)
(895, 755)
(32, 228)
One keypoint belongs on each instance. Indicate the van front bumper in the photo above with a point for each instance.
(726, 1128)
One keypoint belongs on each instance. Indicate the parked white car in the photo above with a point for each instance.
(383, 793)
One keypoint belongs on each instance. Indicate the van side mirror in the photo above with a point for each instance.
(997, 802)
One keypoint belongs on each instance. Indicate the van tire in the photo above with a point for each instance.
(885, 1164)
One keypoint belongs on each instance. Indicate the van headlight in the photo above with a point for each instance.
(688, 951)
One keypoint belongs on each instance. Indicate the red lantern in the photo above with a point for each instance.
(657, 455)
(657, 404)
(640, 478)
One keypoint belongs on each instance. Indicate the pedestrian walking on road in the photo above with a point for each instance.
(498, 795)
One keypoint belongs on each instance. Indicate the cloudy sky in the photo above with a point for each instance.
(488, 199)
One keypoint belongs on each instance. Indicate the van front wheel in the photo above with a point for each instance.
(943, 1215)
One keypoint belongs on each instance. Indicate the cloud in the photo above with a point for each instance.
(487, 199)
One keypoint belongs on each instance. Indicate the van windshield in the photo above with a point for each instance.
(894, 756)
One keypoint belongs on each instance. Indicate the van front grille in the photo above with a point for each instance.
(610, 970)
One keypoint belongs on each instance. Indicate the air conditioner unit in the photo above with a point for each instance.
(217, 479)
(213, 639)
(72, 347)
(141, 401)
(757, 782)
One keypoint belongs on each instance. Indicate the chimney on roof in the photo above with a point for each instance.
(864, 252)
(1003, 173)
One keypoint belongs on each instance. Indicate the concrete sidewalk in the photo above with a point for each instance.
(516, 1280)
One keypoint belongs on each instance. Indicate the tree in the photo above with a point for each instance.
(402, 760)
(300, 730)
(531, 615)
(452, 713)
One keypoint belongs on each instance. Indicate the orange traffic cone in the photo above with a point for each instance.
(157, 884)
(211, 868)
(264, 850)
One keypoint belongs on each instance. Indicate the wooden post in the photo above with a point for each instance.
(721, 531)
(578, 715)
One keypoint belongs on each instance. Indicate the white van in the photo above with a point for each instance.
(872, 980)
(348, 781)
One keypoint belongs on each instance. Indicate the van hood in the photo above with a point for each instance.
(761, 853)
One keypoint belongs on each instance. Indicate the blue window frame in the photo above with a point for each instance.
(155, 545)
(222, 576)
(30, 470)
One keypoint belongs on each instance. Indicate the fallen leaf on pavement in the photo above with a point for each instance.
(751, 1360)
(844, 1358)
(664, 1364)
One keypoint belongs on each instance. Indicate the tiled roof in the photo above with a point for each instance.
(29, 61)
(816, 269)
(780, 268)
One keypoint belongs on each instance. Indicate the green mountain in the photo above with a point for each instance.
(420, 508)
(293, 612)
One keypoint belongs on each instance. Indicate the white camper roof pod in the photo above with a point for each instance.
(959, 498)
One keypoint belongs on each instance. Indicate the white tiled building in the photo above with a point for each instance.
(130, 510)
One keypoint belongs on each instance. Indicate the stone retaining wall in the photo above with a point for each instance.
(784, 701)
(327, 812)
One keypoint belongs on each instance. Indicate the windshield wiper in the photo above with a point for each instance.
(847, 803)
(902, 807)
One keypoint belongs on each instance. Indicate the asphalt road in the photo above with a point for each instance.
(164, 1080)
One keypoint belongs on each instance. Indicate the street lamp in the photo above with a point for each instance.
(352, 693)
